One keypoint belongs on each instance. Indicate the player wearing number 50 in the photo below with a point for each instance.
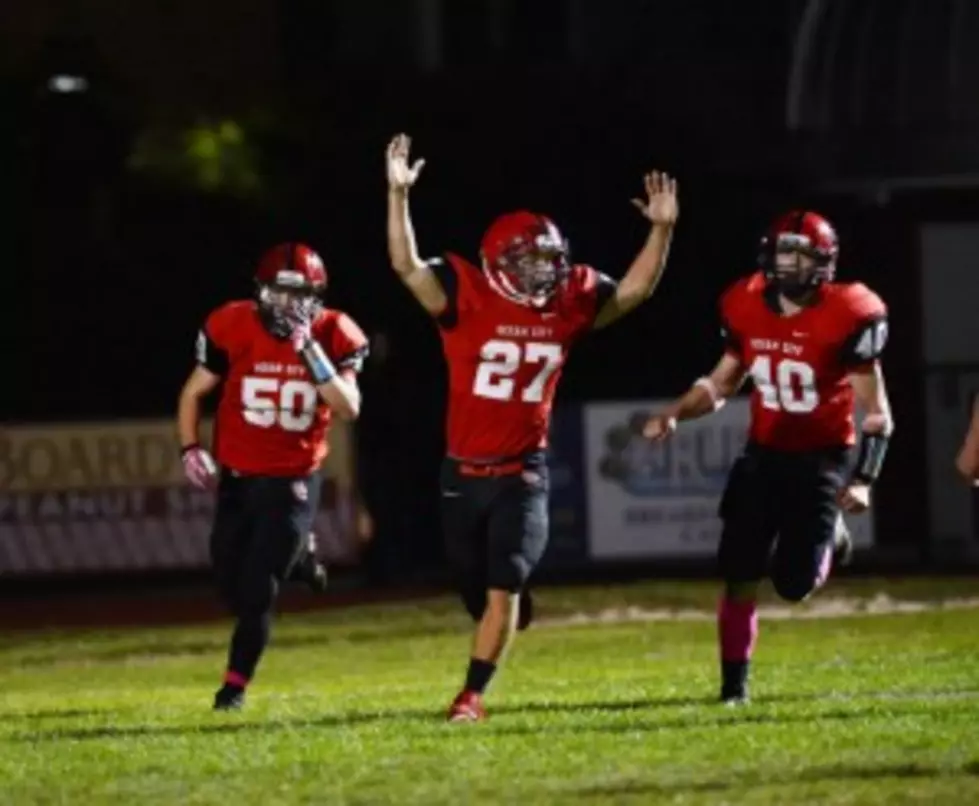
(506, 328)
(812, 348)
(288, 364)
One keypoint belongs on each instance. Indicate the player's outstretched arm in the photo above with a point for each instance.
(705, 396)
(662, 209)
(967, 462)
(870, 393)
(402, 247)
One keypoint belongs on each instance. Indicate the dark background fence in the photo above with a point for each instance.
(151, 151)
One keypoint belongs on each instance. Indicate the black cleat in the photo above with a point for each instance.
(311, 572)
(734, 685)
(732, 698)
(229, 698)
(842, 543)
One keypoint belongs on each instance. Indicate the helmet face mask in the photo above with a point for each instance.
(796, 269)
(290, 281)
(799, 255)
(535, 274)
(525, 258)
(283, 307)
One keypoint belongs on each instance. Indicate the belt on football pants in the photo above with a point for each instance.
(491, 468)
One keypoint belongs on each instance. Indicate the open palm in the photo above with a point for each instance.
(660, 205)
(401, 174)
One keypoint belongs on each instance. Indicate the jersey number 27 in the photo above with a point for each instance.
(501, 360)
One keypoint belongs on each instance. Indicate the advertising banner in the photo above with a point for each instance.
(649, 501)
(112, 497)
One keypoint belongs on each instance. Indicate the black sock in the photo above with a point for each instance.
(479, 675)
(734, 674)
(248, 643)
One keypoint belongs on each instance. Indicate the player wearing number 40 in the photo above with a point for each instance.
(506, 327)
(288, 364)
(812, 349)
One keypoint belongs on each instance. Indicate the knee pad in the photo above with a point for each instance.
(509, 573)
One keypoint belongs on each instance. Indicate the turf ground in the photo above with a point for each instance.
(609, 700)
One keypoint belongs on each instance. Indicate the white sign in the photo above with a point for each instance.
(647, 500)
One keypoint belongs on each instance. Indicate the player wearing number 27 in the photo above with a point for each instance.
(506, 328)
(288, 365)
(812, 348)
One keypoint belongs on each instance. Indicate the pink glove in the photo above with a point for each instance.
(199, 467)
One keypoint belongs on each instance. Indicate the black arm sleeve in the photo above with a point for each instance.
(354, 359)
(604, 290)
(866, 344)
(446, 276)
(209, 355)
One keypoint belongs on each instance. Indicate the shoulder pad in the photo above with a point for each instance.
(228, 316)
(860, 302)
(739, 293)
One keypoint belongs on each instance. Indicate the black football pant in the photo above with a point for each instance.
(260, 530)
(779, 511)
(495, 525)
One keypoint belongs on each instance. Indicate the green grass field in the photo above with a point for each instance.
(347, 709)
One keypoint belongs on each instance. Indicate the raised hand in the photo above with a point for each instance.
(661, 205)
(401, 174)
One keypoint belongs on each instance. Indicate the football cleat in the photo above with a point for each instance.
(732, 698)
(734, 682)
(229, 698)
(842, 543)
(467, 707)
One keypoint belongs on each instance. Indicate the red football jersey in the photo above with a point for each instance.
(505, 359)
(802, 399)
(271, 421)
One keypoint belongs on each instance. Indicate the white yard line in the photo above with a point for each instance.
(827, 607)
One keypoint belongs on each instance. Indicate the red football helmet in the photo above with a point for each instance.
(290, 279)
(525, 257)
(802, 234)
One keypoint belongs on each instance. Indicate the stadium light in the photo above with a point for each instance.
(65, 84)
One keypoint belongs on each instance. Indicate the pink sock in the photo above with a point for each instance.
(737, 629)
(232, 678)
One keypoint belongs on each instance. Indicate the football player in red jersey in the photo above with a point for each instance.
(506, 328)
(812, 348)
(287, 365)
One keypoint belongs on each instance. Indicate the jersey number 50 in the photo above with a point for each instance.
(791, 387)
(500, 360)
(268, 401)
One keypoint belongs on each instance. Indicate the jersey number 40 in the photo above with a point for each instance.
(788, 386)
(501, 360)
